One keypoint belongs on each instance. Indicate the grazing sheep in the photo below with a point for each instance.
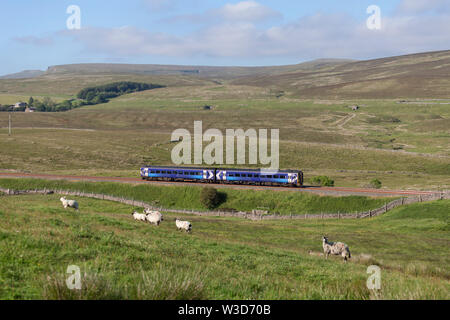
(336, 248)
(183, 225)
(155, 217)
(69, 203)
(139, 216)
(150, 211)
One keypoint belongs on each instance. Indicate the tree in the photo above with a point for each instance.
(90, 96)
(322, 181)
(209, 197)
(375, 183)
(30, 102)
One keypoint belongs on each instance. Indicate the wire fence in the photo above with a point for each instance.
(240, 214)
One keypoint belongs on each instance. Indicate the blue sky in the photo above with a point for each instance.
(206, 32)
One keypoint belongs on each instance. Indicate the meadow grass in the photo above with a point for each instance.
(223, 258)
(400, 140)
(188, 197)
(122, 152)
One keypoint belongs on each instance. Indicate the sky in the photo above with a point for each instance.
(34, 34)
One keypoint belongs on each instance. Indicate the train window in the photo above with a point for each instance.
(186, 173)
(158, 171)
(276, 177)
(238, 175)
(180, 172)
(269, 177)
(243, 175)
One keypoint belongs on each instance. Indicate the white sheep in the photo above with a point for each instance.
(150, 211)
(335, 248)
(154, 217)
(139, 216)
(69, 203)
(183, 225)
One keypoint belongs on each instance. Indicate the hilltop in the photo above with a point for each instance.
(422, 75)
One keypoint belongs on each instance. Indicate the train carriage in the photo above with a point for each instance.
(292, 178)
(259, 177)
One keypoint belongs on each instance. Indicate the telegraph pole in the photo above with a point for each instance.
(9, 124)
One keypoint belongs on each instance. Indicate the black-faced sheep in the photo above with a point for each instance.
(335, 248)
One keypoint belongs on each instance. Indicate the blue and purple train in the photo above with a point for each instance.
(291, 178)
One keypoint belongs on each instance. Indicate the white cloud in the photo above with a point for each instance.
(250, 11)
(423, 6)
(33, 40)
(239, 35)
(310, 37)
(245, 11)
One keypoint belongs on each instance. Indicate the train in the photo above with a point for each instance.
(291, 178)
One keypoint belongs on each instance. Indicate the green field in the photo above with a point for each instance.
(317, 137)
(223, 258)
(400, 134)
(182, 197)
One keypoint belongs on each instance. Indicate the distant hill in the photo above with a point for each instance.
(26, 74)
(201, 71)
(422, 75)
(425, 75)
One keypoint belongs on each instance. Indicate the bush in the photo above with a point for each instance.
(209, 197)
(322, 181)
(375, 183)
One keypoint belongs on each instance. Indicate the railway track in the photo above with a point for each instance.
(337, 191)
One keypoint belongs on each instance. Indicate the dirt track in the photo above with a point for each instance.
(333, 191)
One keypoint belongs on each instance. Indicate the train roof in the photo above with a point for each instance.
(223, 169)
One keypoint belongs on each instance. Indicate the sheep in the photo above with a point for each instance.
(149, 211)
(155, 217)
(183, 225)
(336, 248)
(69, 203)
(139, 216)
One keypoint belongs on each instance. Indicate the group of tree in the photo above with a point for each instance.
(322, 181)
(101, 94)
(87, 96)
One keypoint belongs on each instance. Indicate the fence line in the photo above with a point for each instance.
(246, 215)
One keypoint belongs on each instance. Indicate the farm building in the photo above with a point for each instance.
(20, 105)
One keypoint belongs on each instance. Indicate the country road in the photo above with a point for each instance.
(332, 191)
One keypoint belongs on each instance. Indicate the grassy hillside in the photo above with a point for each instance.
(403, 142)
(182, 197)
(403, 145)
(423, 75)
(223, 258)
